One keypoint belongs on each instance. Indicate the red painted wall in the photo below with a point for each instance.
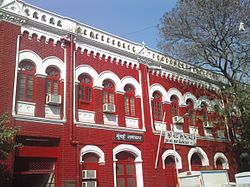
(72, 138)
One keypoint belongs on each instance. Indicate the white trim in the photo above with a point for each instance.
(142, 105)
(110, 76)
(223, 158)
(86, 69)
(177, 93)
(201, 154)
(138, 162)
(93, 149)
(64, 85)
(15, 77)
(159, 88)
(42, 64)
(130, 80)
(52, 61)
(205, 100)
(172, 153)
(189, 95)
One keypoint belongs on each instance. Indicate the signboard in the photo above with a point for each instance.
(128, 137)
(180, 138)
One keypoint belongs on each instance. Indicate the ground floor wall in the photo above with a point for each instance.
(105, 158)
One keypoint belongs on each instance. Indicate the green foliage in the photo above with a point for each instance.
(238, 107)
(206, 33)
(7, 136)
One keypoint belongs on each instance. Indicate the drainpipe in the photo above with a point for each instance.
(72, 137)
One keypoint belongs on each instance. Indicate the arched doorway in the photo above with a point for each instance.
(197, 159)
(130, 157)
(91, 157)
(219, 164)
(125, 170)
(90, 169)
(196, 163)
(170, 170)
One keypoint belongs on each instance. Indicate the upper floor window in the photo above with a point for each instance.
(204, 112)
(174, 106)
(157, 106)
(85, 89)
(191, 112)
(25, 81)
(52, 81)
(129, 100)
(108, 95)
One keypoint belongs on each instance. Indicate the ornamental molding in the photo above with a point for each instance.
(182, 78)
(117, 48)
(11, 11)
(12, 18)
(108, 55)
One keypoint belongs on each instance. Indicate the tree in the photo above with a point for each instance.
(7, 137)
(7, 145)
(206, 33)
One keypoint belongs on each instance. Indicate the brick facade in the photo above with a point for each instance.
(65, 134)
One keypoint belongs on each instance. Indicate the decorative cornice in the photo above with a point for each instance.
(131, 52)
(12, 17)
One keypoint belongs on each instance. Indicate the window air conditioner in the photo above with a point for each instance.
(52, 99)
(109, 108)
(89, 184)
(207, 124)
(89, 174)
(178, 119)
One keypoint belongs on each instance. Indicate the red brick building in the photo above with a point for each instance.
(92, 106)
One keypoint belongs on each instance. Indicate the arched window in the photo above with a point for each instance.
(219, 164)
(108, 95)
(174, 106)
(157, 106)
(52, 81)
(170, 168)
(25, 81)
(85, 89)
(191, 112)
(196, 162)
(125, 170)
(90, 170)
(129, 100)
(204, 113)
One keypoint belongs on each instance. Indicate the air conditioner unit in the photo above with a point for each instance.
(109, 108)
(220, 134)
(89, 184)
(178, 119)
(52, 99)
(207, 124)
(89, 174)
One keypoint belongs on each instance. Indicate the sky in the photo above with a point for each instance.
(135, 20)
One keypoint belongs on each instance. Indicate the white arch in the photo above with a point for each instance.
(30, 56)
(189, 95)
(202, 155)
(89, 70)
(223, 158)
(130, 80)
(216, 102)
(159, 88)
(93, 149)
(109, 75)
(176, 92)
(138, 161)
(52, 61)
(42, 64)
(205, 100)
(172, 153)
